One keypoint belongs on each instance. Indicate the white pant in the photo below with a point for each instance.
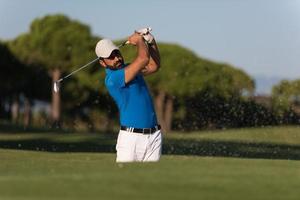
(138, 147)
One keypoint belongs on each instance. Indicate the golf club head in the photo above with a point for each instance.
(56, 86)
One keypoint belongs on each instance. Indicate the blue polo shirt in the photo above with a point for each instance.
(133, 99)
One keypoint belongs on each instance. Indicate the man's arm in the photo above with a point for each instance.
(154, 61)
(142, 59)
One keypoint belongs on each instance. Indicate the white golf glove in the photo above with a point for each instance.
(145, 32)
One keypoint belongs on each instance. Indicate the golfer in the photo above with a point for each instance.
(140, 137)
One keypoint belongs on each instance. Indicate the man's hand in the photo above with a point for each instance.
(145, 32)
(135, 38)
(148, 38)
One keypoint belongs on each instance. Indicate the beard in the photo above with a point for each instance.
(118, 65)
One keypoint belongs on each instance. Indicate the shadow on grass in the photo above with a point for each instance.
(51, 143)
(232, 149)
(106, 143)
(15, 128)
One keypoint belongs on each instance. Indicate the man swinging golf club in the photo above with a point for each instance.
(140, 138)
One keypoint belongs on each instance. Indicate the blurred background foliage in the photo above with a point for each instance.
(189, 92)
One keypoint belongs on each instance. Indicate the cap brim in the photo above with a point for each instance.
(107, 53)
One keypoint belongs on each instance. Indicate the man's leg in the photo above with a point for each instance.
(154, 147)
(126, 147)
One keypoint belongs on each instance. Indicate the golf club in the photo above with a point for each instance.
(143, 31)
(56, 83)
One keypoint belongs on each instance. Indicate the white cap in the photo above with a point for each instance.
(104, 48)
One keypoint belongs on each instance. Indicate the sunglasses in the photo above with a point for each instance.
(114, 53)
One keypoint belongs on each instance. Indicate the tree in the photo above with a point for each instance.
(11, 71)
(183, 74)
(57, 43)
(286, 96)
(19, 84)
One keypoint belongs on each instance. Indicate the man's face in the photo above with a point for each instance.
(114, 61)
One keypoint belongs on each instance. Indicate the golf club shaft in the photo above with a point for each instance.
(77, 70)
(124, 43)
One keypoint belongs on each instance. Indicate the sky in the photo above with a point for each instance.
(261, 37)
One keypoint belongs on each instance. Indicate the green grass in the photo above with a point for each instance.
(280, 135)
(38, 175)
(41, 175)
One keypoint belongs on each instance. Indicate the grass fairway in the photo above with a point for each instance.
(42, 175)
(89, 173)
